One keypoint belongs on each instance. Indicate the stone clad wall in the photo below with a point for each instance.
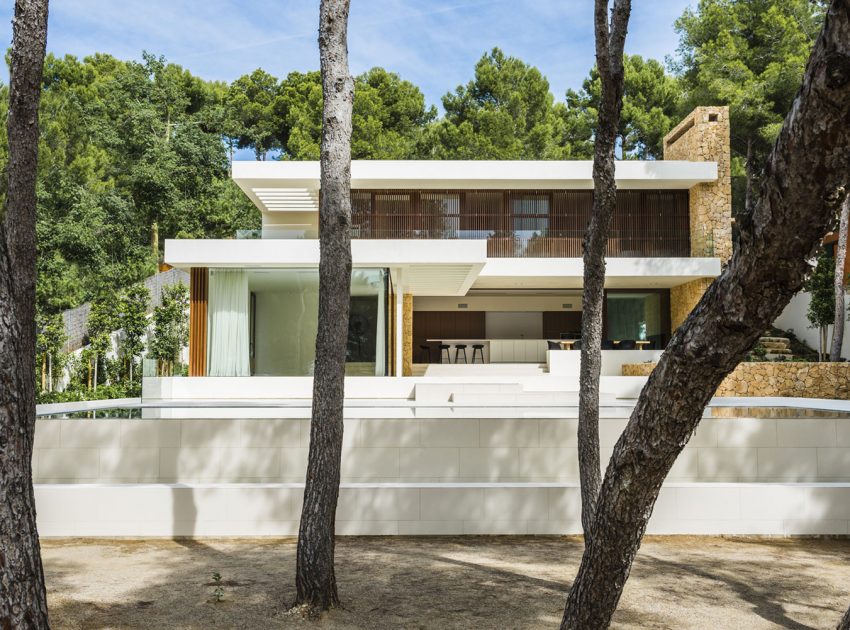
(704, 136)
(767, 378)
(638, 369)
(407, 335)
(684, 297)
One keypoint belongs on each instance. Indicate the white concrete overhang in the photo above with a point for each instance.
(567, 273)
(282, 186)
(425, 267)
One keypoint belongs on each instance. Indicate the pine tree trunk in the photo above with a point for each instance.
(50, 372)
(23, 602)
(95, 372)
(44, 372)
(840, 258)
(609, 61)
(315, 578)
(748, 195)
(799, 196)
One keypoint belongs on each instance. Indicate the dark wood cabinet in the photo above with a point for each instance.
(444, 325)
(557, 322)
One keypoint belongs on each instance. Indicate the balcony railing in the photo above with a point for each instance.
(521, 244)
(517, 223)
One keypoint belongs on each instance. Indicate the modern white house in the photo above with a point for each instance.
(461, 399)
(461, 268)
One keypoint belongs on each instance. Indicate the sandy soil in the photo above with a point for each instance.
(508, 582)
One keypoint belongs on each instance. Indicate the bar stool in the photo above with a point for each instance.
(444, 347)
(425, 351)
(461, 347)
(479, 348)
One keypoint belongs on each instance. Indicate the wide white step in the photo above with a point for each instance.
(442, 392)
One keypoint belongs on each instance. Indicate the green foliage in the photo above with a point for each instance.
(50, 360)
(388, 120)
(102, 321)
(505, 113)
(124, 145)
(218, 587)
(650, 107)
(821, 310)
(255, 105)
(78, 392)
(749, 55)
(133, 319)
(170, 326)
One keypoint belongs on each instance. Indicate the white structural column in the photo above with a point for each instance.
(399, 322)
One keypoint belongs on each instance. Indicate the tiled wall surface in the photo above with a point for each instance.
(168, 477)
(264, 450)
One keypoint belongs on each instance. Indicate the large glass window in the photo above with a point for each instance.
(275, 312)
(635, 316)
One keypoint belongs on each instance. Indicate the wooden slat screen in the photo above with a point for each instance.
(527, 223)
(198, 296)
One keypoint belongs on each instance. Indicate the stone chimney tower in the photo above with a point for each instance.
(704, 136)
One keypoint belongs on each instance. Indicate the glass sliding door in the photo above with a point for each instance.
(279, 311)
(228, 323)
(366, 354)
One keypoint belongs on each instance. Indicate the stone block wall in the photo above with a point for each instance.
(771, 378)
(704, 136)
(684, 298)
(407, 336)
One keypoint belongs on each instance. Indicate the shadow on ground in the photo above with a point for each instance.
(469, 582)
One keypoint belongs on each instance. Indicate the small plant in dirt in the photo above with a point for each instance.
(218, 588)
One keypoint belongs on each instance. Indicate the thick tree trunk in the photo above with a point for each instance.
(748, 195)
(23, 602)
(315, 579)
(609, 61)
(799, 196)
(840, 257)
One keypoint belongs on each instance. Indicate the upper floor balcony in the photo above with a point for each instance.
(518, 223)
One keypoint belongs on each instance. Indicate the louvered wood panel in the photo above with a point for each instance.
(198, 301)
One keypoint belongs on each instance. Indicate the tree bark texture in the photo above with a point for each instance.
(803, 185)
(609, 61)
(315, 579)
(844, 624)
(23, 601)
(840, 258)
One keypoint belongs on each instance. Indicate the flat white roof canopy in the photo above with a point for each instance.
(280, 186)
(441, 267)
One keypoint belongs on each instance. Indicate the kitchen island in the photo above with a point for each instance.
(499, 350)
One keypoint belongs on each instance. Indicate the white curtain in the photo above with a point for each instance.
(381, 334)
(228, 323)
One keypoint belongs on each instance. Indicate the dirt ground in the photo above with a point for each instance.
(469, 582)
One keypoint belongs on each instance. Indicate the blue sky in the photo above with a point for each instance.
(433, 43)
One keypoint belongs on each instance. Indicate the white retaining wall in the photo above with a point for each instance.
(211, 388)
(244, 476)
(413, 509)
